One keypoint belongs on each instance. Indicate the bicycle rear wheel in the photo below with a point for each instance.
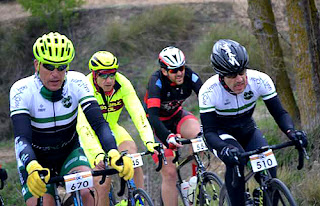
(142, 198)
(278, 194)
(224, 198)
(209, 190)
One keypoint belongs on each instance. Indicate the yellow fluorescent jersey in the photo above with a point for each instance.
(123, 95)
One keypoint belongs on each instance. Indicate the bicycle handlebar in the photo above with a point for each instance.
(302, 153)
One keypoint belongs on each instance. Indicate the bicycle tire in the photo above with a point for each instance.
(279, 194)
(141, 195)
(223, 197)
(112, 196)
(210, 190)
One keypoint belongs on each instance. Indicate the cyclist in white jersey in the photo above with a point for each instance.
(43, 109)
(227, 101)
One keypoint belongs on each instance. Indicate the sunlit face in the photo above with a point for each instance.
(106, 82)
(237, 83)
(52, 80)
(176, 76)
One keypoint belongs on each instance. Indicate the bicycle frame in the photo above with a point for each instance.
(200, 170)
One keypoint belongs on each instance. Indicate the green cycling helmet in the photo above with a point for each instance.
(103, 60)
(53, 48)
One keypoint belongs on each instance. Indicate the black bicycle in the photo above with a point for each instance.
(207, 184)
(73, 183)
(271, 191)
(136, 196)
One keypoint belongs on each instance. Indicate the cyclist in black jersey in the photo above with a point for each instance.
(43, 109)
(167, 89)
(227, 101)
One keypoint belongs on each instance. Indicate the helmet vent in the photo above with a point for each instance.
(56, 41)
(62, 51)
(93, 63)
(50, 51)
(42, 49)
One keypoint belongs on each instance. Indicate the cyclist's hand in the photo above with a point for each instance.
(151, 146)
(99, 161)
(172, 142)
(299, 138)
(125, 169)
(36, 185)
(229, 155)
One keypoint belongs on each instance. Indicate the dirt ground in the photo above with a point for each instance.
(9, 11)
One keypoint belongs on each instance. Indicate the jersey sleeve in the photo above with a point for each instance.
(206, 99)
(19, 112)
(196, 82)
(83, 87)
(153, 102)
(136, 112)
(19, 99)
(267, 88)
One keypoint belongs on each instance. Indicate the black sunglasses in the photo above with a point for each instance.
(51, 67)
(234, 75)
(106, 75)
(173, 71)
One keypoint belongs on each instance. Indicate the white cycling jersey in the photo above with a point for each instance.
(25, 97)
(213, 97)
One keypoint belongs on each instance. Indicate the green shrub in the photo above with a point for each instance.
(148, 31)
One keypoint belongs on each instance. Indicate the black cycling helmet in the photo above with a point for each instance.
(228, 57)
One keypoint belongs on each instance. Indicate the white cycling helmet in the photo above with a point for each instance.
(171, 58)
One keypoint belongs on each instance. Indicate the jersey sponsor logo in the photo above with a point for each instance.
(227, 102)
(112, 106)
(205, 98)
(171, 105)
(231, 56)
(81, 84)
(42, 108)
(17, 98)
(248, 95)
(67, 101)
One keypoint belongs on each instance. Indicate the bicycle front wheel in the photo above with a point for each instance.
(278, 194)
(223, 197)
(209, 190)
(141, 197)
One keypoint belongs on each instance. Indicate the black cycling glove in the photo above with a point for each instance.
(229, 155)
(299, 138)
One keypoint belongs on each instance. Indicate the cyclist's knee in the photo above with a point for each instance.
(169, 173)
(130, 146)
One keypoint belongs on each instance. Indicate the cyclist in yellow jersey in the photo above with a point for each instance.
(113, 91)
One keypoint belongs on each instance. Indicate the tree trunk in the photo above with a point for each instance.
(306, 60)
(264, 28)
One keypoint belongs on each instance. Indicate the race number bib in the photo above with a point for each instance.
(136, 159)
(78, 181)
(263, 161)
(198, 145)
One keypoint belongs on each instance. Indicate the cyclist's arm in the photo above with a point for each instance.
(208, 120)
(160, 129)
(137, 114)
(279, 114)
(95, 118)
(153, 102)
(197, 83)
(23, 137)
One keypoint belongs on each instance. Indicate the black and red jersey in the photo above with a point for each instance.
(164, 99)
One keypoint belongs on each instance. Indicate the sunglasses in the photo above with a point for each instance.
(174, 71)
(51, 67)
(234, 75)
(106, 75)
